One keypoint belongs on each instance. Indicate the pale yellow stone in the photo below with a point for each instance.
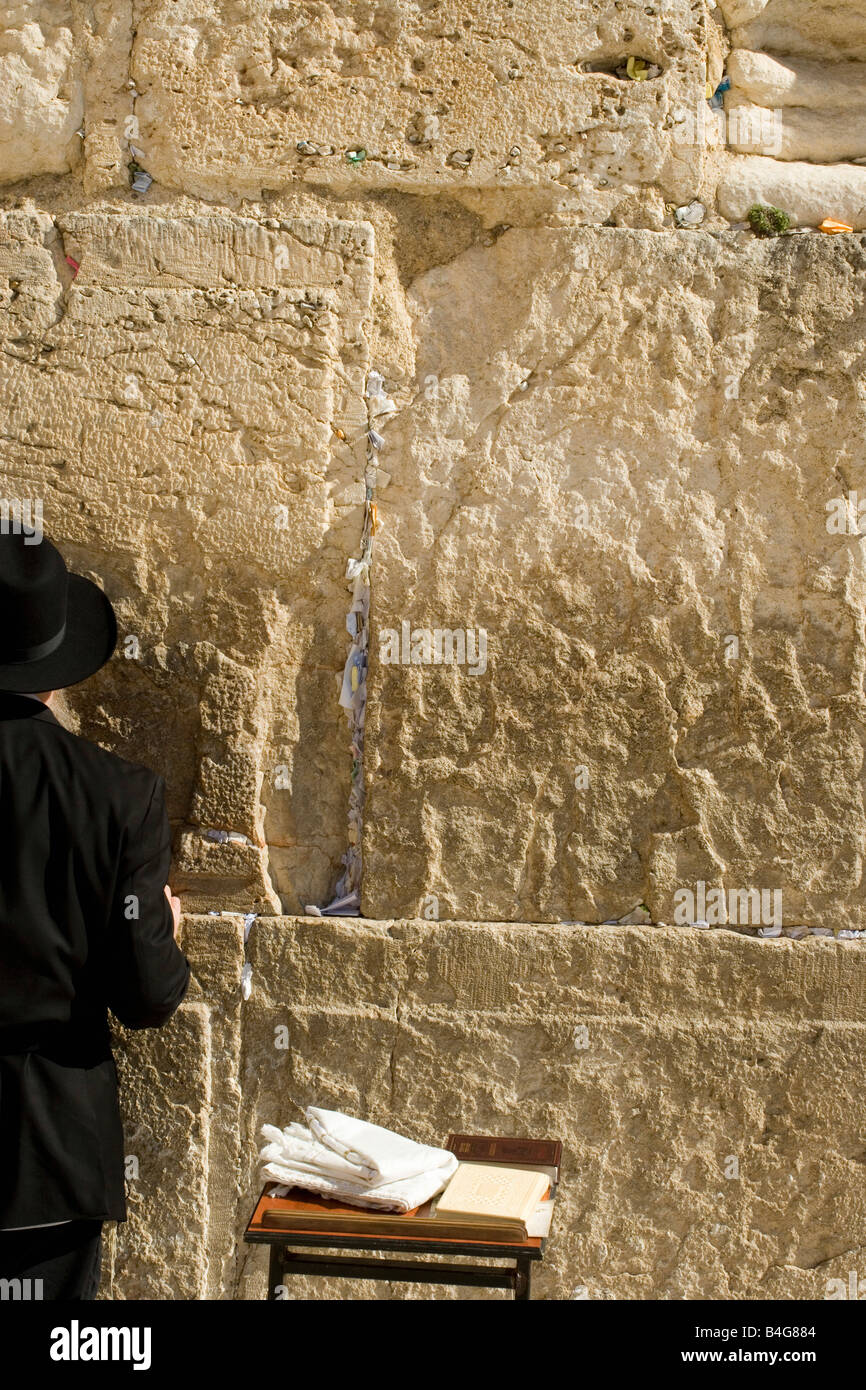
(835, 30)
(181, 1093)
(807, 192)
(41, 93)
(793, 95)
(165, 1076)
(187, 403)
(617, 463)
(796, 81)
(173, 407)
(703, 1084)
(792, 133)
(455, 95)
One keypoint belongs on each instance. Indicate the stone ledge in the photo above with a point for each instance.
(492, 966)
(807, 192)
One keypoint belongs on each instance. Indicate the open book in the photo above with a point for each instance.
(480, 1202)
(479, 1194)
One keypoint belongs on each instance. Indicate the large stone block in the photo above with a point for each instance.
(634, 464)
(161, 1250)
(796, 108)
(41, 90)
(171, 392)
(453, 95)
(798, 28)
(181, 1101)
(634, 460)
(806, 192)
(703, 1083)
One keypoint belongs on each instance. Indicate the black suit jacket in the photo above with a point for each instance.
(84, 927)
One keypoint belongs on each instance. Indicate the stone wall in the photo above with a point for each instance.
(626, 450)
(707, 1088)
(170, 399)
(626, 489)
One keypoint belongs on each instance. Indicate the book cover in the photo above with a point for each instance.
(540, 1154)
(491, 1192)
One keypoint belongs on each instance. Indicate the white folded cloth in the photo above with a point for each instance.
(380, 1155)
(396, 1196)
(353, 1161)
(296, 1147)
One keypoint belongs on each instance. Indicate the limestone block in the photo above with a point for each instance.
(772, 82)
(800, 100)
(737, 12)
(797, 133)
(835, 29)
(181, 1099)
(41, 92)
(455, 95)
(301, 1006)
(703, 1085)
(215, 949)
(161, 1251)
(807, 192)
(171, 389)
(318, 1023)
(104, 33)
(619, 467)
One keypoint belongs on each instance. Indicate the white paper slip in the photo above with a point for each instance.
(538, 1224)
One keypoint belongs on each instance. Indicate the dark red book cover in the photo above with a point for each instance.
(490, 1148)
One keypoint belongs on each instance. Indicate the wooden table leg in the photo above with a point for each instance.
(523, 1279)
(275, 1271)
(282, 1263)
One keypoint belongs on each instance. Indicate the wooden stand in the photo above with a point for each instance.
(286, 1261)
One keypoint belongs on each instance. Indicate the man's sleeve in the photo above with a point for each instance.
(146, 972)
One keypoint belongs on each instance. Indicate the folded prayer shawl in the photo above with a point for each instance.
(355, 1162)
(380, 1155)
(396, 1196)
(297, 1147)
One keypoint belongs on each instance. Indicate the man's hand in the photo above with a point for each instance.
(174, 904)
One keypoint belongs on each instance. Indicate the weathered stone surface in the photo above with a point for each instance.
(161, 1251)
(41, 93)
(796, 134)
(807, 192)
(706, 1087)
(794, 96)
(454, 94)
(797, 81)
(618, 463)
(835, 30)
(181, 385)
(517, 102)
(182, 1102)
(173, 406)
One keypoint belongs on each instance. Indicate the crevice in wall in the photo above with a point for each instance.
(353, 691)
(794, 932)
(625, 67)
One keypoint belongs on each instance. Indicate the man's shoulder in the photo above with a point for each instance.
(109, 768)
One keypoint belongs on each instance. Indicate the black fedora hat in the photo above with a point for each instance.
(56, 628)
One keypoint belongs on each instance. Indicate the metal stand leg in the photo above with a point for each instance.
(275, 1271)
(523, 1279)
(283, 1263)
